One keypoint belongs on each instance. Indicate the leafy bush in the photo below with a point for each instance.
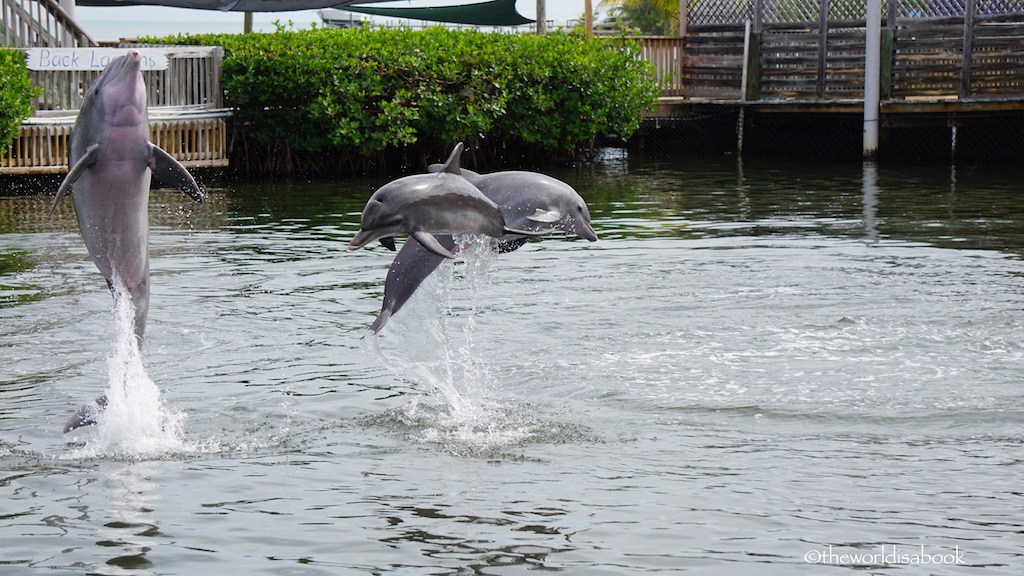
(16, 93)
(345, 99)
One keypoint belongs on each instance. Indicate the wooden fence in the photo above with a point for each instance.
(977, 52)
(192, 78)
(186, 115)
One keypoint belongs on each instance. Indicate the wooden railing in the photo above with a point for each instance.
(39, 23)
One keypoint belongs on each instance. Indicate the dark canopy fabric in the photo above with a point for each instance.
(234, 5)
(492, 13)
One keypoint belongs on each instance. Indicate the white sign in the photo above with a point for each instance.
(90, 58)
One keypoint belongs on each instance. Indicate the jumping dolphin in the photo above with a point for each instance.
(528, 201)
(426, 204)
(111, 161)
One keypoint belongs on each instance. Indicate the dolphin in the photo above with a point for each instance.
(528, 201)
(421, 205)
(111, 162)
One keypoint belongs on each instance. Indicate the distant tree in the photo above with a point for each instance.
(649, 16)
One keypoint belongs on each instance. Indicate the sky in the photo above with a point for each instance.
(111, 23)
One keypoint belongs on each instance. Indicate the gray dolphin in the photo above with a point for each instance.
(111, 161)
(426, 204)
(528, 201)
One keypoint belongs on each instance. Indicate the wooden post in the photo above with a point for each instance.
(684, 17)
(888, 48)
(588, 18)
(542, 17)
(888, 38)
(758, 16)
(822, 47)
(893, 12)
(752, 64)
(965, 69)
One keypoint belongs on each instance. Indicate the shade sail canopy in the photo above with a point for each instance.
(234, 5)
(492, 13)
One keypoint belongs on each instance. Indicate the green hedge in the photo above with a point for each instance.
(359, 99)
(16, 93)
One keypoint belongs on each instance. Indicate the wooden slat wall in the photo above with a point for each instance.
(713, 64)
(997, 61)
(43, 148)
(198, 143)
(665, 53)
(38, 149)
(927, 59)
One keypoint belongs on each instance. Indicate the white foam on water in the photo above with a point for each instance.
(135, 424)
(459, 412)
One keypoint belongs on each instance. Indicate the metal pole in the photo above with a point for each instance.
(542, 16)
(742, 120)
(247, 23)
(872, 76)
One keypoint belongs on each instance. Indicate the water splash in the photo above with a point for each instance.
(135, 425)
(459, 412)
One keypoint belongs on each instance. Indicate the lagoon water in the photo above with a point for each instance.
(760, 368)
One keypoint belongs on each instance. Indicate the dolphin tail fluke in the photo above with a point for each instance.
(86, 415)
(172, 173)
(76, 171)
(429, 242)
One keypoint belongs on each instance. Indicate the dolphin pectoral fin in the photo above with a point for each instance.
(506, 246)
(388, 243)
(76, 171)
(381, 320)
(430, 243)
(451, 166)
(86, 415)
(545, 216)
(528, 232)
(172, 173)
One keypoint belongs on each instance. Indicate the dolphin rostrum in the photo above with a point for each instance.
(426, 204)
(528, 201)
(110, 164)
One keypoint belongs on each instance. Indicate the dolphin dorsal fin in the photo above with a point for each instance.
(451, 165)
